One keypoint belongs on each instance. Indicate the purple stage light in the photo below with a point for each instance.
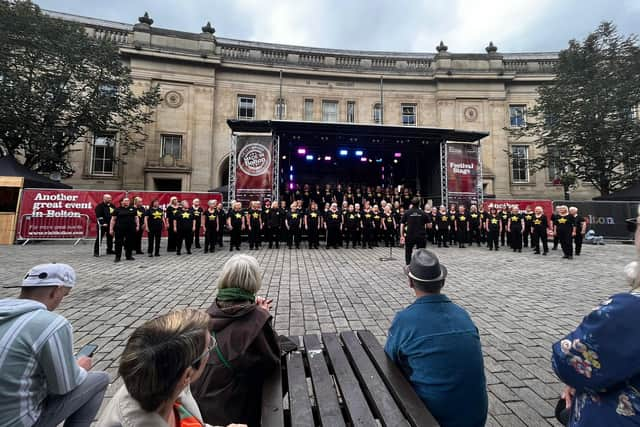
(397, 155)
(302, 151)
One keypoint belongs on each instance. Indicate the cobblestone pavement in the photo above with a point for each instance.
(520, 302)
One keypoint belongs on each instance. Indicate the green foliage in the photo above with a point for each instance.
(585, 122)
(57, 84)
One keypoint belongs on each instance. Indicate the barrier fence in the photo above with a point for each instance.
(36, 227)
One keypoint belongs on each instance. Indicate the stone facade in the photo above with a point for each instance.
(201, 78)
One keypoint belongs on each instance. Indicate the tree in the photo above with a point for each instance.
(585, 124)
(58, 85)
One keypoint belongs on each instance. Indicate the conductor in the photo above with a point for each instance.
(413, 229)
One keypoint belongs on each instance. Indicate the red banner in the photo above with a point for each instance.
(254, 168)
(462, 173)
(547, 205)
(56, 214)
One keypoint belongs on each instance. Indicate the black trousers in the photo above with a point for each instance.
(101, 233)
(186, 237)
(210, 239)
(475, 234)
(578, 242)
(389, 237)
(367, 237)
(443, 236)
(503, 236)
(254, 237)
(333, 235)
(294, 236)
(313, 237)
(566, 243)
(138, 244)
(516, 237)
(419, 243)
(351, 235)
(492, 238)
(124, 238)
(236, 238)
(556, 240)
(153, 241)
(171, 239)
(525, 237)
(270, 236)
(220, 235)
(538, 236)
(463, 236)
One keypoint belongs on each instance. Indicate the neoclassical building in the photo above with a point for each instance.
(205, 80)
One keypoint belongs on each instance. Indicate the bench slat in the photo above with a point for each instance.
(272, 412)
(373, 385)
(323, 387)
(409, 402)
(354, 399)
(299, 402)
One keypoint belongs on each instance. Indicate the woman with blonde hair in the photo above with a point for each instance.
(599, 362)
(230, 389)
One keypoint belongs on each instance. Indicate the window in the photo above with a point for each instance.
(520, 163)
(377, 113)
(103, 155)
(308, 109)
(408, 114)
(281, 109)
(246, 107)
(351, 112)
(329, 111)
(517, 116)
(171, 145)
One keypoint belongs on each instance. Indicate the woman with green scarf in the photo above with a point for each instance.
(230, 389)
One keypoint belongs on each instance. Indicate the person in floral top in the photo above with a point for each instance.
(600, 361)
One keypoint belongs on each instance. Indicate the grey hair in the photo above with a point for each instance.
(241, 271)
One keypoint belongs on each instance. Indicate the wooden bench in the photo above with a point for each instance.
(343, 380)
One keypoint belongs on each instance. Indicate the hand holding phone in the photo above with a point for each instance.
(87, 351)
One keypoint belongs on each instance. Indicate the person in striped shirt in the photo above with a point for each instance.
(42, 383)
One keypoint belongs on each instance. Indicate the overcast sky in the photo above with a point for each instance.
(396, 25)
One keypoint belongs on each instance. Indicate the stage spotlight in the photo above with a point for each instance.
(291, 168)
(359, 153)
(284, 157)
(291, 185)
(327, 158)
(363, 159)
(395, 160)
(370, 161)
(378, 160)
(309, 157)
(302, 151)
(344, 152)
(397, 155)
(319, 158)
(291, 177)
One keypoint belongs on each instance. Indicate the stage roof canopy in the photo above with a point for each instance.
(346, 130)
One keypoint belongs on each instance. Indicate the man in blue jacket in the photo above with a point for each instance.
(437, 346)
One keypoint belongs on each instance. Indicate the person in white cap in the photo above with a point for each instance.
(41, 382)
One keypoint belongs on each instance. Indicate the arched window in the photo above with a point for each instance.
(223, 172)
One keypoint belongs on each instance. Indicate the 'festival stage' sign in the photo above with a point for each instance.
(254, 168)
(65, 214)
(462, 173)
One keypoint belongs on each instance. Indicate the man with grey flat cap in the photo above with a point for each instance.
(437, 346)
(42, 383)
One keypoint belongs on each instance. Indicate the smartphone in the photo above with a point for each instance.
(87, 351)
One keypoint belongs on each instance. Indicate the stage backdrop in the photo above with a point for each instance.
(56, 214)
(462, 173)
(254, 168)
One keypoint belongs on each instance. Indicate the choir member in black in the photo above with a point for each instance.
(351, 226)
(123, 226)
(564, 228)
(358, 196)
(581, 229)
(442, 227)
(388, 226)
(212, 226)
(284, 211)
(539, 231)
(377, 198)
(338, 194)
(413, 229)
(197, 210)
(294, 226)
(312, 223)
(369, 196)
(222, 216)
(103, 215)
(236, 225)
(169, 217)
(406, 199)
(554, 216)
(462, 226)
(398, 217)
(184, 226)
(306, 197)
(254, 224)
(357, 235)
(515, 225)
(475, 224)
(153, 222)
(367, 226)
(333, 222)
(504, 233)
(483, 230)
(453, 235)
(377, 225)
(328, 195)
(349, 196)
(432, 235)
(271, 223)
(493, 225)
(137, 204)
(297, 195)
(528, 226)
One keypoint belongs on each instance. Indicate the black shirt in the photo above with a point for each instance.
(294, 219)
(184, 219)
(211, 220)
(442, 221)
(474, 219)
(462, 220)
(564, 224)
(254, 218)
(540, 224)
(352, 220)
(154, 218)
(333, 219)
(578, 221)
(125, 217)
(516, 220)
(493, 222)
(313, 219)
(271, 217)
(414, 221)
(236, 219)
(528, 219)
(103, 212)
